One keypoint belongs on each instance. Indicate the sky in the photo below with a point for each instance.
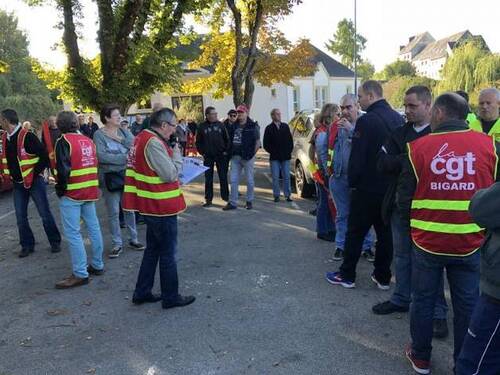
(386, 24)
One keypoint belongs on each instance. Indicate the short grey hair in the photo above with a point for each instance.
(353, 97)
(491, 90)
(274, 110)
(161, 116)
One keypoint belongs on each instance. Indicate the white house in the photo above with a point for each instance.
(428, 55)
(328, 84)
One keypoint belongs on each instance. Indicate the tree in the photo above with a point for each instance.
(366, 70)
(20, 88)
(136, 40)
(395, 88)
(398, 68)
(245, 45)
(342, 43)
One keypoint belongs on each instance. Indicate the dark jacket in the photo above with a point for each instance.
(390, 162)
(407, 182)
(278, 142)
(372, 130)
(136, 128)
(33, 146)
(212, 140)
(55, 133)
(63, 165)
(485, 210)
(250, 135)
(89, 129)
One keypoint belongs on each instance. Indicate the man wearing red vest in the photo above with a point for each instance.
(23, 159)
(152, 189)
(50, 135)
(444, 170)
(77, 188)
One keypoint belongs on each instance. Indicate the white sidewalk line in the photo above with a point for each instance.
(268, 176)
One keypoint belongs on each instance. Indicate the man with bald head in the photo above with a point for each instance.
(488, 120)
(441, 173)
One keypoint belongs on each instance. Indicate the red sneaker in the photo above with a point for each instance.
(419, 365)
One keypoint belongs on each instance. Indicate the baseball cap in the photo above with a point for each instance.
(242, 108)
(232, 112)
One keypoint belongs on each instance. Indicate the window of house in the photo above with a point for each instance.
(348, 89)
(296, 99)
(320, 96)
(188, 106)
(273, 93)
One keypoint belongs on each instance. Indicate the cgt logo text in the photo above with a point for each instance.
(454, 167)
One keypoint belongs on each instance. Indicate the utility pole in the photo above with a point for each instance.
(355, 52)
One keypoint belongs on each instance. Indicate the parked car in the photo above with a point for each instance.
(302, 128)
(5, 183)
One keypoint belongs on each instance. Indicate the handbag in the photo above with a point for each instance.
(114, 181)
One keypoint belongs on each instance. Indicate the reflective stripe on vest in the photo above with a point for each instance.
(26, 161)
(450, 168)
(83, 183)
(4, 167)
(144, 190)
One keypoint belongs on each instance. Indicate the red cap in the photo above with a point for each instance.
(242, 108)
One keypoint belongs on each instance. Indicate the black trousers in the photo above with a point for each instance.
(222, 163)
(366, 210)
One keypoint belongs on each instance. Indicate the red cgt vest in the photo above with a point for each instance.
(26, 161)
(144, 191)
(450, 168)
(83, 182)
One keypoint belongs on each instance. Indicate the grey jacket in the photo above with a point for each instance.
(168, 168)
(485, 209)
(111, 154)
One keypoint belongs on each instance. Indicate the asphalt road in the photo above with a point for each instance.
(263, 306)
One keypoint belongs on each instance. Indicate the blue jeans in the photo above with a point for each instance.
(427, 274)
(284, 167)
(161, 246)
(71, 212)
(112, 200)
(237, 165)
(339, 189)
(38, 193)
(403, 259)
(324, 219)
(481, 350)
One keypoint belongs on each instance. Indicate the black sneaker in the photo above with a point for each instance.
(288, 199)
(276, 199)
(440, 328)
(152, 298)
(179, 302)
(380, 285)
(115, 252)
(25, 252)
(313, 211)
(338, 255)
(369, 256)
(248, 205)
(325, 237)
(387, 307)
(136, 245)
(228, 207)
(94, 271)
(207, 204)
(55, 248)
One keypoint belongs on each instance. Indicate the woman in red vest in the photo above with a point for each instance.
(77, 188)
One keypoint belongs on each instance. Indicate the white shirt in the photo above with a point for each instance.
(420, 128)
(16, 129)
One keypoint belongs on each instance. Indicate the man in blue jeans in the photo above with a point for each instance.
(77, 187)
(152, 188)
(417, 102)
(244, 136)
(24, 159)
(441, 173)
(278, 143)
(481, 349)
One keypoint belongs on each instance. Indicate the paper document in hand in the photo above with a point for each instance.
(191, 168)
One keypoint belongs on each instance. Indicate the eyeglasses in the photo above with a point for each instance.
(233, 115)
(347, 107)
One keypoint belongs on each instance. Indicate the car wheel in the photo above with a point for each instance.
(303, 188)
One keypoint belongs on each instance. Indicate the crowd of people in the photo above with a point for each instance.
(423, 186)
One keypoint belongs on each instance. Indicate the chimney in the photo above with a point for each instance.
(411, 38)
(401, 47)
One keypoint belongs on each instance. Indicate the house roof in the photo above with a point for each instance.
(332, 66)
(415, 40)
(439, 48)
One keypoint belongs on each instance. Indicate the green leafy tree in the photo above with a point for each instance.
(245, 45)
(20, 87)
(342, 43)
(366, 70)
(398, 68)
(136, 40)
(395, 88)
